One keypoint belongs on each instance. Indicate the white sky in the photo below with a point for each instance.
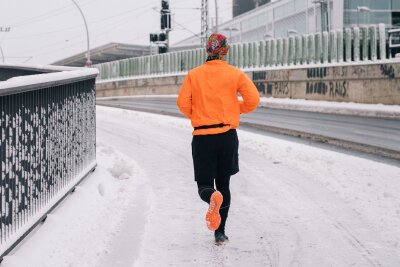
(44, 31)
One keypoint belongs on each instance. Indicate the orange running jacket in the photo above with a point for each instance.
(209, 96)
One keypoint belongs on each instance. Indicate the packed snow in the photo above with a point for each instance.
(293, 204)
(38, 67)
(52, 78)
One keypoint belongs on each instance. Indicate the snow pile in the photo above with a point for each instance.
(80, 232)
(368, 187)
(345, 108)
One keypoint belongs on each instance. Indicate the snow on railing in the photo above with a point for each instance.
(352, 45)
(47, 143)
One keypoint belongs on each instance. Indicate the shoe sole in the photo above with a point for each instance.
(213, 219)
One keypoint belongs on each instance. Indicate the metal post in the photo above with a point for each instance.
(2, 53)
(216, 16)
(329, 14)
(7, 29)
(324, 12)
(307, 26)
(315, 16)
(168, 40)
(204, 22)
(88, 62)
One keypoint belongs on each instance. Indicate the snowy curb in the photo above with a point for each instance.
(342, 108)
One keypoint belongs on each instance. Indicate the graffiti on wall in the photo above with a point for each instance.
(260, 87)
(274, 88)
(339, 89)
(339, 72)
(272, 75)
(264, 81)
(317, 73)
(388, 71)
(327, 88)
(280, 88)
(320, 88)
(331, 88)
(360, 72)
(259, 78)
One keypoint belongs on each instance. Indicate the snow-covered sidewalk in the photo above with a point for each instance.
(292, 205)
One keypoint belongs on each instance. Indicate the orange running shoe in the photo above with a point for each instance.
(213, 219)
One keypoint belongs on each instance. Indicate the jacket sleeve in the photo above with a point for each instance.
(249, 92)
(184, 101)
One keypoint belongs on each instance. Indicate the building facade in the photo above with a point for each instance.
(282, 18)
(241, 6)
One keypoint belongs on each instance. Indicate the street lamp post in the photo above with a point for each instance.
(3, 29)
(361, 9)
(2, 54)
(324, 6)
(88, 62)
(216, 16)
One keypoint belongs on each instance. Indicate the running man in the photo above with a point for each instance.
(209, 98)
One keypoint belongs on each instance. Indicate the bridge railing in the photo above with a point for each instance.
(342, 46)
(47, 143)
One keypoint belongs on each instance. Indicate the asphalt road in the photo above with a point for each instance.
(359, 132)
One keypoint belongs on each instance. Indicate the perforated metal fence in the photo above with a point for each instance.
(47, 145)
(342, 46)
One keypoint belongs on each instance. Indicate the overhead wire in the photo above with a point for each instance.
(49, 14)
(77, 26)
(29, 20)
(102, 30)
(112, 26)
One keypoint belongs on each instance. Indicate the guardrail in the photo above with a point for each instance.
(47, 143)
(349, 45)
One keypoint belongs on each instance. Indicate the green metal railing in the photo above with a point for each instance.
(348, 45)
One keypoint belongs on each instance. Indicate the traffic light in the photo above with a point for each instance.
(162, 37)
(162, 49)
(165, 15)
(153, 37)
(165, 4)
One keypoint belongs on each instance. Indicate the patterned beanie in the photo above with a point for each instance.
(217, 46)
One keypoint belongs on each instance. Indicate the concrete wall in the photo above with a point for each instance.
(147, 86)
(372, 83)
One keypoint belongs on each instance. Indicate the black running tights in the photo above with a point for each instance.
(205, 192)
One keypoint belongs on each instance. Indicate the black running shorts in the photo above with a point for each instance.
(215, 155)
